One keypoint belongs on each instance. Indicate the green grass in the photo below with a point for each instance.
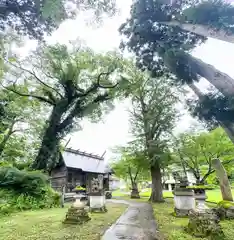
(172, 228)
(47, 225)
(213, 195)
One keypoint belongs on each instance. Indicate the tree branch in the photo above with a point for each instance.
(40, 98)
(107, 74)
(130, 174)
(7, 136)
(73, 113)
(203, 30)
(138, 170)
(36, 77)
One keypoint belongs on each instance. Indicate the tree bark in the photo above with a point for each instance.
(203, 31)
(223, 82)
(227, 126)
(135, 193)
(223, 180)
(157, 188)
(50, 141)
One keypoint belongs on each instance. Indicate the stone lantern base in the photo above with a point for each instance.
(97, 204)
(76, 215)
(184, 202)
(205, 223)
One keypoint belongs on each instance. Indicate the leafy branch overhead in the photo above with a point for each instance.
(37, 17)
(165, 48)
(74, 82)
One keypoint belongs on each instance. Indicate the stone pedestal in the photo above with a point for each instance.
(97, 203)
(184, 202)
(201, 201)
(205, 223)
(76, 215)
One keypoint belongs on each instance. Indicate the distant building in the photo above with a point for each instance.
(116, 183)
(169, 181)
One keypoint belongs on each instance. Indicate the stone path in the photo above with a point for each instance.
(136, 223)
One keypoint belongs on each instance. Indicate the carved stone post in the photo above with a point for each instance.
(97, 200)
(223, 180)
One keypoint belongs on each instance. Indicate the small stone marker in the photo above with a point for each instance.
(77, 214)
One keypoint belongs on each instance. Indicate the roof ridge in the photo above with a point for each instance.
(83, 153)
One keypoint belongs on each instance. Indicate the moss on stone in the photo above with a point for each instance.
(205, 187)
(205, 224)
(226, 204)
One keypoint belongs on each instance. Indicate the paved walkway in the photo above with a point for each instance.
(136, 223)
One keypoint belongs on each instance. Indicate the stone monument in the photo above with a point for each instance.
(183, 198)
(97, 200)
(77, 213)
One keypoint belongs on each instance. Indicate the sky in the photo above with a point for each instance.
(113, 130)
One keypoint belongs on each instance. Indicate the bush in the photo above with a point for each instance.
(22, 181)
(22, 190)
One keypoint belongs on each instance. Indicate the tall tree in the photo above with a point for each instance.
(131, 167)
(37, 17)
(198, 151)
(74, 82)
(152, 118)
(160, 47)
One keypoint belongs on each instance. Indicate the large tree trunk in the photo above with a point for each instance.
(203, 30)
(227, 126)
(223, 82)
(135, 192)
(50, 142)
(157, 188)
(223, 180)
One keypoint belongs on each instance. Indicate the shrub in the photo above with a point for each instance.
(22, 181)
(22, 190)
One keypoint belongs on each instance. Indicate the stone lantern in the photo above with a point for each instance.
(183, 197)
(77, 213)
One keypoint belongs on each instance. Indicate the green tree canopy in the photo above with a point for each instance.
(196, 152)
(37, 17)
(162, 47)
(131, 167)
(73, 81)
(152, 118)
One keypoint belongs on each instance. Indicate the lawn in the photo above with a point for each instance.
(172, 228)
(47, 224)
(213, 195)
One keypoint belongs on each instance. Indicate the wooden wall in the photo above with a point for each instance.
(58, 178)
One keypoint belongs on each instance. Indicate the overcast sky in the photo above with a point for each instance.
(113, 131)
